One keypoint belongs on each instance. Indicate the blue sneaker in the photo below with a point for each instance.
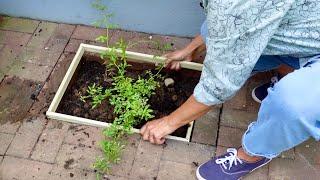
(261, 92)
(228, 167)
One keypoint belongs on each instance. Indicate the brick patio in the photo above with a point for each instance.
(34, 56)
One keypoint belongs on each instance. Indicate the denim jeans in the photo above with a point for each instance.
(289, 115)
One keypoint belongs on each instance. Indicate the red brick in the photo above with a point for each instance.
(50, 141)
(230, 137)
(87, 33)
(16, 168)
(26, 137)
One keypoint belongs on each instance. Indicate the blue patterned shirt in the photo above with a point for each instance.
(240, 31)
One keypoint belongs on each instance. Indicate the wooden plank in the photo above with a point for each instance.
(142, 57)
(90, 122)
(66, 80)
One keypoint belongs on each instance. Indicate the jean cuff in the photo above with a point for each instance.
(250, 152)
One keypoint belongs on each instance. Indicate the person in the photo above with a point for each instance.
(241, 38)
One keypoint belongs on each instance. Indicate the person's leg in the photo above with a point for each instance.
(282, 65)
(288, 116)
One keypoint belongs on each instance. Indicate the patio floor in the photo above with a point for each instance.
(34, 56)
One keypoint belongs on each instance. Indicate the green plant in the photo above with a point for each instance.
(130, 100)
(128, 96)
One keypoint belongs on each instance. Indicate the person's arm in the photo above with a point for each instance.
(156, 130)
(186, 54)
(238, 32)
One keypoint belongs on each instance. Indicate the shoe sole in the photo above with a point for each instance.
(254, 97)
(199, 177)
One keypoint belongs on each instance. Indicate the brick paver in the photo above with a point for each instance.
(237, 118)
(18, 24)
(50, 141)
(59, 172)
(310, 150)
(205, 129)
(75, 156)
(176, 171)
(31, 147)
(298, 169)
(188, 153)
(30, 71)
(84, 135)
(5, 140)
(10, 127)
(123, 168)
(88, 33)
(17, 168)
(14, 38)
(147, 161)
(230, 137)
(26, 137)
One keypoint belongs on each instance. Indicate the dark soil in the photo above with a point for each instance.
(165, 101)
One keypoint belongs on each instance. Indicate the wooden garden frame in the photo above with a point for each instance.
(132, 56)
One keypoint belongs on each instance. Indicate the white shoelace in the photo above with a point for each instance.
(232, 159)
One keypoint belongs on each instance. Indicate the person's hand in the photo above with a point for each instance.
(174, 59)
(156, 130)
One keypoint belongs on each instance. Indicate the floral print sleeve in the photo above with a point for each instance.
(238, 33)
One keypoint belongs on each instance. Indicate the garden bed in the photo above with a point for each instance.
(86, 70)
